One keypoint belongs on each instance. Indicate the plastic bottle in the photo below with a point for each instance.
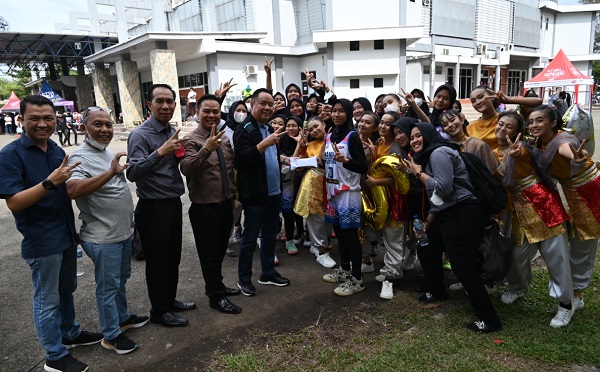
(79, 261)
(420, 231)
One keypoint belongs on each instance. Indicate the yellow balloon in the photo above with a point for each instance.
(376, 212)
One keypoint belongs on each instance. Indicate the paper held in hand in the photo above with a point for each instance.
(300, 163)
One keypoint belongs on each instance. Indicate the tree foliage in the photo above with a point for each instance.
(19, 76)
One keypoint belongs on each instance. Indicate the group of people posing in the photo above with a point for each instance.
(310, 160)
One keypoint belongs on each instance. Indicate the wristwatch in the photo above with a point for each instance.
(418, 175)
(48, 185)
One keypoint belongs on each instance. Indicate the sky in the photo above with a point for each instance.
(39, 16)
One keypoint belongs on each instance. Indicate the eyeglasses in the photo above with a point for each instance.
(92, 109)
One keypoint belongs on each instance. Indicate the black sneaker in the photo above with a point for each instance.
(66, 363)
(247, 288)
(275, 279)
(121, 344)
(483, 327)
(134, 321)
(84, 338)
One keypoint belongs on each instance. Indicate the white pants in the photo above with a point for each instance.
(318, 230)
(393, 239)
(582, 259)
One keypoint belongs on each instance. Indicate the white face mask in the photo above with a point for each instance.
(419, 101)
(392, 107)
(239, 117)
(95, 144)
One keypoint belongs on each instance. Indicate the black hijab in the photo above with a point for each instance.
(319, 100)
(424, 106)
(287, 89)
(287, 145)
(282, 110)
(432, 140)
(404, 124)
(435, 113)
(230, 121)
(301, 103)
(364, 103)
(339, 132)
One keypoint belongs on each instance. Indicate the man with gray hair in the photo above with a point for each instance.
(102, 195)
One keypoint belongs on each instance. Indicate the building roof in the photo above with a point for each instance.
(32, 48)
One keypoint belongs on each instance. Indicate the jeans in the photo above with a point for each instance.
(54, 281)
(112, 262)
(263, 219)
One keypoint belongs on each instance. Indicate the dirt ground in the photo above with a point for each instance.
(190, 348)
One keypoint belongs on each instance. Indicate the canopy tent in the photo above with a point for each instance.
(47, 91)
(13, 104)
(559, 72)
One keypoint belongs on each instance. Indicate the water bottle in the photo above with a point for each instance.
(420, 231)
(79, 261)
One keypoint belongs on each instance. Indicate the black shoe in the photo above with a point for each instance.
(483, 327)
(169, 320)
(182, 306)
(120, 344)
(421, 277)
(84, 338)
(428, 298)
(134, 321)
(274, 279)
(66, 363)
(232, 291)
(224, 306)
(422, 289)
(247, 289)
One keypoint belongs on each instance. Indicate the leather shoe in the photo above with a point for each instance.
(224, 305)
(232, 291)
(169, 320)
(182, 306)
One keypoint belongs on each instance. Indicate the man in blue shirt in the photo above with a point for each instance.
(33, 170)
(257, 162)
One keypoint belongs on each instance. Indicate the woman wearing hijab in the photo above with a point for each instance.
(454, 223)
(293, 91)
(279, 103)
(312, 105)
(420, 101)
(296, 108)
(345, 161)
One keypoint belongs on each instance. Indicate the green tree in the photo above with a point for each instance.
(8, 85)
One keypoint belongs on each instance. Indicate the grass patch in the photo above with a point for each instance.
(400, 335)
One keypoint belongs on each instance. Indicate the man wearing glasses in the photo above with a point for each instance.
(153, 156)
(100, 190)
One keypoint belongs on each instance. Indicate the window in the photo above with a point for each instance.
(354, 83)
(438, 70)
(377, 82)
(378, 44)
(426, 70)
(354, 45)
(547, 20)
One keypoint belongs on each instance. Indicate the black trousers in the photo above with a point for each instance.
(458, 230)
(159, 223)
(211, 224)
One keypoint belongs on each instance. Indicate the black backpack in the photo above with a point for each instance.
(487, 189)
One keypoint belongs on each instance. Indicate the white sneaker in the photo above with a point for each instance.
(338, 275)
(325, 260)
(352, 286)
(409, 262)
(490, 290)
(456, 287)
(366, 268)
(509, 297)
(578, 303)
(563, 317)
(387, 290)
(314, 250)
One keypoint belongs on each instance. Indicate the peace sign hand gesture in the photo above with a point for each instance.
(338, 156)
(514, 149)
(61, 174)
(171, 145)
(580, 155)
(301, 138)
(214, 141)
(408, 97)
(268, 63)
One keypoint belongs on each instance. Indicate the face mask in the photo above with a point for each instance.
(419, 101)
(239, 117)
(95, 144)
(389, 108)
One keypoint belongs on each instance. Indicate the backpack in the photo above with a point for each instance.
(494, 254)
(487, 189)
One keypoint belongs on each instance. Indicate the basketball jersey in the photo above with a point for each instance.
(338, 178)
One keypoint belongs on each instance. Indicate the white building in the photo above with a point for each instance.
(361, 48)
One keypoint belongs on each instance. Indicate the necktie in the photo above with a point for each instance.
(224, 176)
